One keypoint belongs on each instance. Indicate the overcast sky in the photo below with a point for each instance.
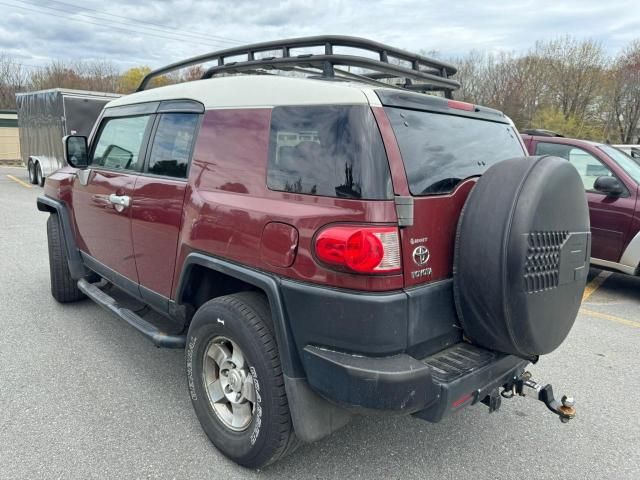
(135, 32)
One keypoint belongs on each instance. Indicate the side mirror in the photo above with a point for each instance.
(75, 151)
(608, 185)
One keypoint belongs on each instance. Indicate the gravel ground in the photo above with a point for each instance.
(82, 395)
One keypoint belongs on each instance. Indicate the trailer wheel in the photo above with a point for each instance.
(39, 175)
(32, 173)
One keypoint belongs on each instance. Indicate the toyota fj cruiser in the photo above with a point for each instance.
(324, 243)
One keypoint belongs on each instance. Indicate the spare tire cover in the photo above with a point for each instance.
(522, 256)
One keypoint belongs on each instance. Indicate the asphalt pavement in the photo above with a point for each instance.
(83, 395)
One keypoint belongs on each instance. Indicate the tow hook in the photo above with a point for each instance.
(525, 385)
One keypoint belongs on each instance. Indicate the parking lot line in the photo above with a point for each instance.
(594, 284)
(612, 318)
(24, 184)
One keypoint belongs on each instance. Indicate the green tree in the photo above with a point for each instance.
(130, 79)
(554, 119)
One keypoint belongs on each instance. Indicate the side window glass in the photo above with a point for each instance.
(555, 149)
(588, 166)
(120, 142)
(332, 151)
(172, 144)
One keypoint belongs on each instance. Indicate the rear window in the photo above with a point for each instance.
(333, 151)
(440, 151)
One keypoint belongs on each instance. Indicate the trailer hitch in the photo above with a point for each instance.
(526, 386)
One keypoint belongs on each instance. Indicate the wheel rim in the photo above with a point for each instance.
(30, 172)
(229, 384)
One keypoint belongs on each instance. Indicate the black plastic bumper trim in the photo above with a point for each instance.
(473, 387)
(399, 382)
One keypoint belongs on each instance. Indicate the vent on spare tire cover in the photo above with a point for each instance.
(542, 269)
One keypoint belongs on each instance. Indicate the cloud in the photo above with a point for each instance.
(133, 34)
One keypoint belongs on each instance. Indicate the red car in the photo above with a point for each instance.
(611, 181)
(322, 247)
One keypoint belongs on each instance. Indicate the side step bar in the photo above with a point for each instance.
(149, 330)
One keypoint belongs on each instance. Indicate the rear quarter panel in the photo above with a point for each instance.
(228, 204)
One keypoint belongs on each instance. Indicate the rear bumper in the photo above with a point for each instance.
(398, 351)
(431, 388)
(417, 321)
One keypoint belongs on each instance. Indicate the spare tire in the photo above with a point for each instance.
(522, 256)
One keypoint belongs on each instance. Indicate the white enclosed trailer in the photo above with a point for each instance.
(45, 117)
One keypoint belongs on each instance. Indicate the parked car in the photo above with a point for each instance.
(45, 116)
(632, 150)
(610, 179)
(322, 246)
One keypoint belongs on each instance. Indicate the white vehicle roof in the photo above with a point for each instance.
(626, 146)
(257, 91)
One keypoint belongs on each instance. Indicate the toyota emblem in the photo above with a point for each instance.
(421, 255)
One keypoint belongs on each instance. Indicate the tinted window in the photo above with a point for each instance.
(588, 166)
(334, 151)
(120, 142)
(172, 143)
(626, 162)
(439, 151)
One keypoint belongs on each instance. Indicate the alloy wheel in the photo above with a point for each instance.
(229, 384)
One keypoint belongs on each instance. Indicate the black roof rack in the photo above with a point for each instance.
(540, 132)
(430, 74)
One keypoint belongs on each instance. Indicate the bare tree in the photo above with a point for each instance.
(13, 79)
(97, 76)
(102, 76)
(565, 84)
(625, 83)
(471, 76)
(576, 70)
(563, 75)
(192, 73)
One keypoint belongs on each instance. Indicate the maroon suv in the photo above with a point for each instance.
(611, 180)
(324, 246)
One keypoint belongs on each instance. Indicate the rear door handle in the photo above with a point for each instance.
(120, 201)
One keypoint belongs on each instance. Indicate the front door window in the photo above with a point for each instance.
(588, 166)
(120, 142)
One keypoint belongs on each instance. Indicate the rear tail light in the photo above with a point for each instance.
(469, 107)
(360, 249)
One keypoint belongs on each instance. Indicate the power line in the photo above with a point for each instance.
(128, 30)
(199, 32)
(132, 22)
(105, 22)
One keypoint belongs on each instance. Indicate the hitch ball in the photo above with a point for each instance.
(567, 408)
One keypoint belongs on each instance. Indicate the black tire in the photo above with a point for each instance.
(32, 173)
(245, 319)
(39, 175)
(522, 256)
(63, 288)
